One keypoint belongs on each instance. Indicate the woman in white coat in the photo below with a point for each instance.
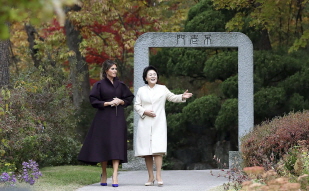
(151, 134)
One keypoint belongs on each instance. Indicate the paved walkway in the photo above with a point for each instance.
(174, 180)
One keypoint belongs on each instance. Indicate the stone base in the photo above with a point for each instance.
(134, 163)
(235, 160)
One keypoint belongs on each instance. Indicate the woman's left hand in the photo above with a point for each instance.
(186, 95)
(118, 101)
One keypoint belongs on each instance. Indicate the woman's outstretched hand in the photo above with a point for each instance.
(186, 95)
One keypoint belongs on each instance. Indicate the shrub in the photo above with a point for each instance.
(37, 122)
(268, 103)
(276, 156)
(228, 115)
(230, 87)
(221, 66)
(295, 164)
(61, 150)
(267, 143)
(129, 113)
(202, 111)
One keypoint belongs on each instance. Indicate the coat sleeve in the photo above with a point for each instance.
(172, 97)
(138, 106)
(95, 96)
(127, 96)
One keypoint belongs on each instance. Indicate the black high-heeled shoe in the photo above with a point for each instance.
(102, 184)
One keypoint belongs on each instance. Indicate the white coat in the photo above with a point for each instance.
(151, 134)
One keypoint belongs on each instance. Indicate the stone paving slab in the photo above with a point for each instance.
(178, 180)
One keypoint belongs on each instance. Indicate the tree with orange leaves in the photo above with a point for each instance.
(106, 30)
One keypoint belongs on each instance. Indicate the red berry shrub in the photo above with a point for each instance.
(266, 144)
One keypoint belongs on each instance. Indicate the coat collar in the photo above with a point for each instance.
(115, 83)
(153, 88)
(154, 93)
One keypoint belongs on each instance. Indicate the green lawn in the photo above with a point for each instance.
(66, 178)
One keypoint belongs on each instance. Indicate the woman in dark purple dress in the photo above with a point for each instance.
(106, 141)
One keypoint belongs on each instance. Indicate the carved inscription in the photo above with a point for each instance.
(207, 40)
(181, 38)
(193, 39)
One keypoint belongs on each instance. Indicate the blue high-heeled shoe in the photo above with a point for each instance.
(114, 185)
(103, 184)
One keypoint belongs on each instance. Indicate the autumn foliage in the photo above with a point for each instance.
(268, 142)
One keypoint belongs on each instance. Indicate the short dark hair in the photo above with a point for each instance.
(146, 71)
(107, 64)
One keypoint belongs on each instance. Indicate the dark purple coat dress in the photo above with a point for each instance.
(107, 137)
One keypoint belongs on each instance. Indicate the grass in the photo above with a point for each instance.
(66, 178)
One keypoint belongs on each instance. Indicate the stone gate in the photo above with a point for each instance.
(207, 40)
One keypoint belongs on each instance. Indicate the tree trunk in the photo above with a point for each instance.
(4, 63)
(264, 41)
(31, 39)
(32, 36)
(78, 67)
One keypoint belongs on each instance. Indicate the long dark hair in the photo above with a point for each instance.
(107, 64)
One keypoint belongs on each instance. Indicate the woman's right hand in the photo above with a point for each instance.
(149, 113)
(116, 101)
(113, 103)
